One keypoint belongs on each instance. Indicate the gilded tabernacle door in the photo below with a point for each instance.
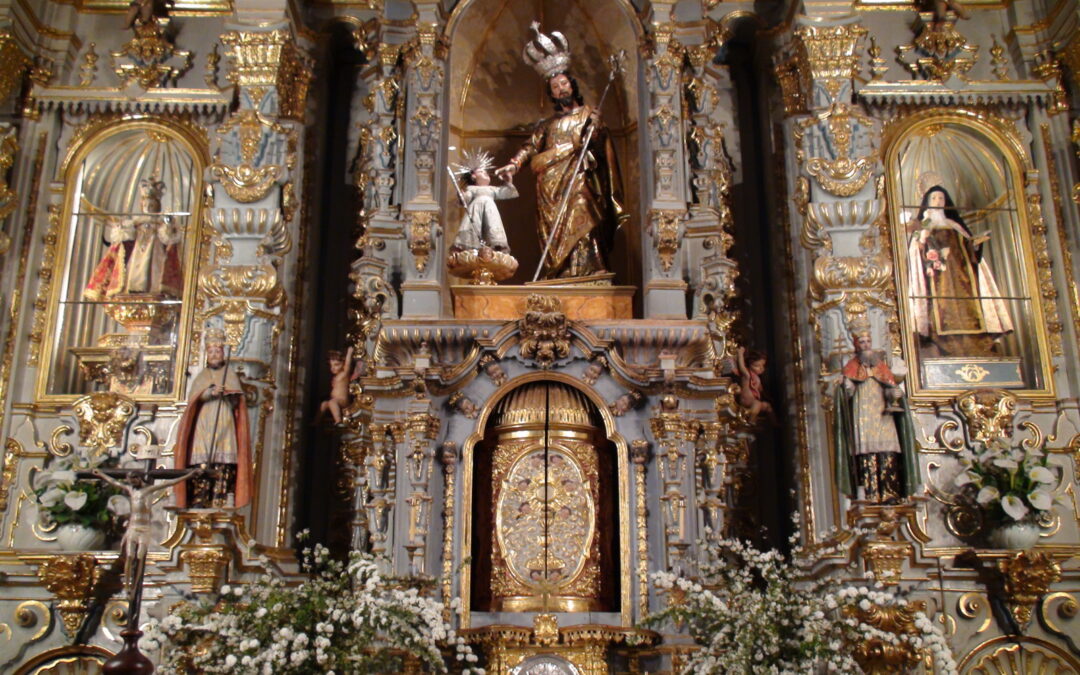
(970, 310)
(125, 249)
(551, 507)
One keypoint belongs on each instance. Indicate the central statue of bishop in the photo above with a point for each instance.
(581, 230)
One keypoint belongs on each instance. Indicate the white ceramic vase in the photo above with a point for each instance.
(76, 537)
(1018, 536)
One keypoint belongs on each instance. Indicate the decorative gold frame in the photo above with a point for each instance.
(1003, 135)
(198, 148)
(623, 450)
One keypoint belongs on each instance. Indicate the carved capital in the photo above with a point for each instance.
(206, 567)
(664, 227)
(267, 60)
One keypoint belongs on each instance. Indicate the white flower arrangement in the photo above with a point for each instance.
(752, 611)
(345, 618)
(64, 499)
(1010, 484)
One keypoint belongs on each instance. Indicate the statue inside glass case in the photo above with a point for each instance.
(955, 301)
(143, 258)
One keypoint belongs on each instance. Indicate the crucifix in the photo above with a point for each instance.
(140, 486)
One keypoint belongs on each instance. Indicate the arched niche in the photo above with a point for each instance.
(127, 238)
(514, 429)
(494, 98)
(968, 291)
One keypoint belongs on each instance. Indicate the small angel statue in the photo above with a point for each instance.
(482, 225)
(480, 249)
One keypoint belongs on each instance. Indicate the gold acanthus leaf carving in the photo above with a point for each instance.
(988, 413)
(264, 59)
(835, 273)
(665, 231)
(152, 61)
(13, 65)
(246, 183)
(255, 282)
(71, 578)
(843, 176)
(1028, 576)
(8, 199)
(102, 416)
(831, 52)
(422, 232)
(545, 330)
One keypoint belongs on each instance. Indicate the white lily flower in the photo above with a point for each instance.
(119, 504)
(51, 496)
(966, 477)
(1006, 463)
(1014, 507)
(1041, 499)
(75, 500)
(988, 495)
(1040, 474)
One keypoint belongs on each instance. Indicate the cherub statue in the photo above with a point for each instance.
(751, 367)
(482, 225)
(626, 403)
(339, 383)
(463, 404)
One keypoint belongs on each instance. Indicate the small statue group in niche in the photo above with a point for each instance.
(872, 427)
(214, 435)
(956, 305)
(143, 256)
(579, 203)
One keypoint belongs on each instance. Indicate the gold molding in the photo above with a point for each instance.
(102, 416)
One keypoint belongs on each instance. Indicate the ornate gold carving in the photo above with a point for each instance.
(13, 451)
(449, 458)
(987, 413)
(270, 59)
(1048, 69)
(546, 629)
(45, 273)
(639, 455)
(998, 61)
(13, 65)
(206, 567)
(253, 282)
(793, 77)
(88, 69)
(545, 330)
(971, 605)
(1028, 576)
(1044, 269)
(8, 147)
(876, 655)
(664, 227)
(102, 416)
(482, 267)
(939, 51)
(71, 578)
(1012, 654)
(828, 55)
(886, 559)
(1059, 219)
(878, 67)
(422, 230)
(247, 182)
(972, 373)
(842, 175)
(150, 59)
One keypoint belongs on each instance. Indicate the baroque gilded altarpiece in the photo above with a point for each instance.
(482, 414)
